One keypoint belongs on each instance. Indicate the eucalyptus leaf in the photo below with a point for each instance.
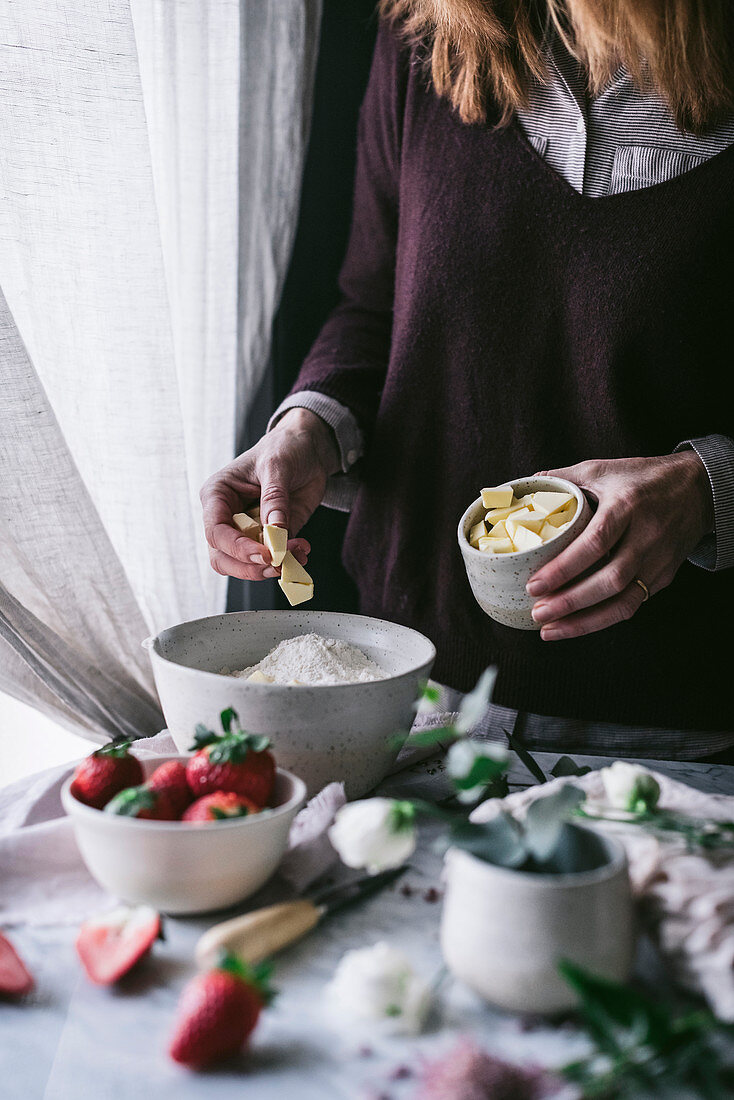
(545, 819)
(499, 841)
(474, 704)
(564, 765)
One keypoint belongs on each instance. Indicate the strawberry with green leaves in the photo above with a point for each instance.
(231, 761)
(143, 803)
(220, 806)
(108, 770)
(218, 1012)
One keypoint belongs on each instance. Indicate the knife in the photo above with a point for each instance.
(259, 934)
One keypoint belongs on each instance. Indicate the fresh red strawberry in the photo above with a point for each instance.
(15, 979)
(107, 771)
(143, 803)
(111, 944)
(218, 1011)
(171, 777)
(219, 807)
(231, 761)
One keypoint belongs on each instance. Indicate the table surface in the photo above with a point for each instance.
(76, 1040)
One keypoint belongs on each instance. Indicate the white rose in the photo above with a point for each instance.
(378, 985)
(630, 787)
(376, 833)
(465, 761)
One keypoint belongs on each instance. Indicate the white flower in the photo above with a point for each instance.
(376, 833)
(630, 787)
(378, 985)
(476, 763)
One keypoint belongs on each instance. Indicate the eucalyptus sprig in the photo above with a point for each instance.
(697, 832)
(643, 1048)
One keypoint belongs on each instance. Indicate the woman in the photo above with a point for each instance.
(538, 277)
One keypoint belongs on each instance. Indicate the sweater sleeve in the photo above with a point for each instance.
(349, 359)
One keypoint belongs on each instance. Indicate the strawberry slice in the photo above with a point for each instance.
(15, 979)
(111, 944)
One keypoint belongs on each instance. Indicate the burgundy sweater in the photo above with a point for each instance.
(495, 322)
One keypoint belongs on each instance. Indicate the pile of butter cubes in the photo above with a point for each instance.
(520, 523)
(294, 580)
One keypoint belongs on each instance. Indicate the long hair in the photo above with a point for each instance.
(490, 50)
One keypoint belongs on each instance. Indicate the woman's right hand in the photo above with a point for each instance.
(285, 472)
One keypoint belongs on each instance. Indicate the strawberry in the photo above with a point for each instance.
(219, 807)
(111, 944)
(171, 778)
(15, 979)
(231, 761)
(218, 1011)
(107, 771)
(143, 803)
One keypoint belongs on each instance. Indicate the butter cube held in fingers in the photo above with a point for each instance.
(248, 526)
(294, 581)
(276, 540)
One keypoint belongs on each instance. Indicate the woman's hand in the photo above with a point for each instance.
(286, 472)
(651, 513)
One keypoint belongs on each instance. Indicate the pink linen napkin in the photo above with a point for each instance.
(686, 899)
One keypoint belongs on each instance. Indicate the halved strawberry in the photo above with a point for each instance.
(220, 806)
(142, 802)
(171, 778)
(111, 944)
(108, 770)
(218, 1011)
(232, 761)
(15, 979)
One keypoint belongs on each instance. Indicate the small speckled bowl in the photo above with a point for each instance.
(498, 580)
(321, 732)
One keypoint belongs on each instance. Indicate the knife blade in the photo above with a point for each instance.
(258, 935)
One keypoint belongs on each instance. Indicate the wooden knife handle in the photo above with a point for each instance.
(257, 935)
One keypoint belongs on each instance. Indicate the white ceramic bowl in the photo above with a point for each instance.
(503, 932)
(322, 732)
(498, 580)
(184, 868)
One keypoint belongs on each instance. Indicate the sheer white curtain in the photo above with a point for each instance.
(150, 165)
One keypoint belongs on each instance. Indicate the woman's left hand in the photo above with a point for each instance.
(651, 513)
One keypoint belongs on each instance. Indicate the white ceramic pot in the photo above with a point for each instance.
(179, 867)
(503, 932)
(323, 732)
(498, 580)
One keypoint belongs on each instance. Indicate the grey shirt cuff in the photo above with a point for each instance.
(716, 551)
(341, 489)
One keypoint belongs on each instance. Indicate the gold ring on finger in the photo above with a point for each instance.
(645, 589)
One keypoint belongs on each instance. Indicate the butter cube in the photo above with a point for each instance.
(293, 572)
(524, 518)
(559, 519)
(548, 503)
(525, 539)
(296, 593)
(499, 531)
(276, 540)
(496, 546)
(259, 677)
(248, 526)
(495, 515)
(497, 498)
(548, 531)
(479, 530)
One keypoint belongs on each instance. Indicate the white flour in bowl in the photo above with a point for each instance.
(311, 659)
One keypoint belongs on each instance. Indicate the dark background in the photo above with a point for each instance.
(348, 32)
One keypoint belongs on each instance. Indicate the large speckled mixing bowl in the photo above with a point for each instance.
(498, 580)
(320, 732)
